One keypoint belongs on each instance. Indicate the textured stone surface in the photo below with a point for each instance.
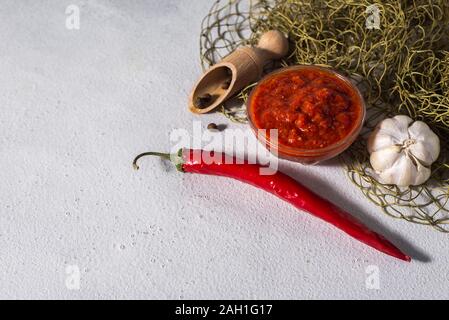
(77, 105)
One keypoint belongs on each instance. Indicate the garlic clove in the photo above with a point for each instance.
(385, 158)
(392, 175)
(422, 152)
(396, 128)
(423, 174)
(405, 172)
(427, 148)
(400, 173)
(378, 141)
(419, 131)
(402, 122)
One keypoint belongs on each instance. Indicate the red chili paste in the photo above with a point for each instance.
(311, 108)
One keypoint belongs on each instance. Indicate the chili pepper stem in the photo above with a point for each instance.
(176, 159)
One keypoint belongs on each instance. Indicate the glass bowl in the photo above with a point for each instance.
(308, 156)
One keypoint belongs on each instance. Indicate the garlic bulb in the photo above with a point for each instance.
(402, 151)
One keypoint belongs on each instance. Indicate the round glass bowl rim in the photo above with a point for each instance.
(293, 150)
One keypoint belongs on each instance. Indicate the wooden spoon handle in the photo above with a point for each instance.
(273, 45)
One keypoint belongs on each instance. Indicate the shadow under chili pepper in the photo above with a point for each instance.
(322, 187)
(334, 162)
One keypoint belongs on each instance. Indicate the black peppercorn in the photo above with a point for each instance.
(203, 101)
(212, 127)
(226, 85)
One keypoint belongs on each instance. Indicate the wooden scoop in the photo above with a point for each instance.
(238, 70)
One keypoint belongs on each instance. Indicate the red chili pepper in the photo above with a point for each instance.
(282, 186)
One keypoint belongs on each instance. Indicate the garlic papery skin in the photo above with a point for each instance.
(402, 151)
